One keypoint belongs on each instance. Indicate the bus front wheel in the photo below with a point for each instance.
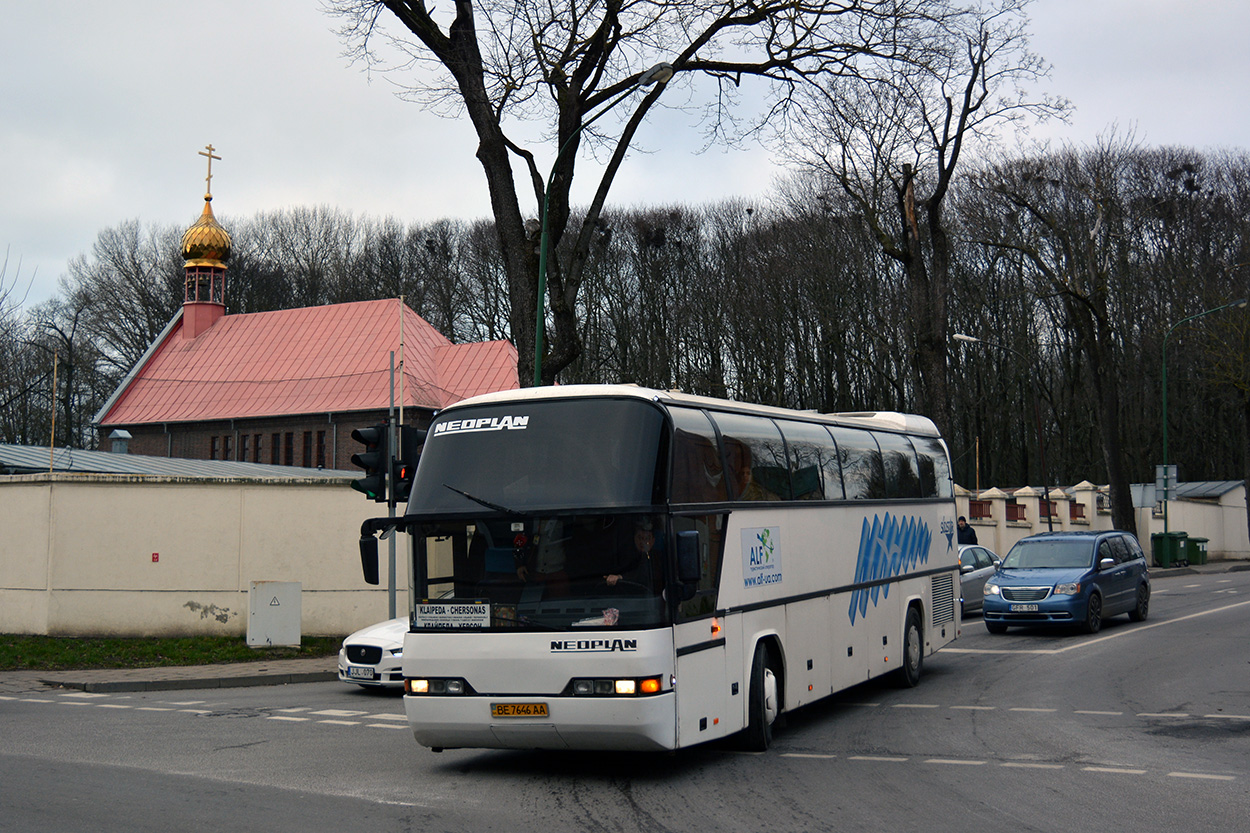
(763, 707)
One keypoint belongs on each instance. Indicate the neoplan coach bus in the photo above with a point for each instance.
(613, 567)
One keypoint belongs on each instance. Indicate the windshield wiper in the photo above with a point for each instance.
(486, 503)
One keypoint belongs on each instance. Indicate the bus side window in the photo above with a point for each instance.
(901, 477)
(935, 467)
(711, 529)
(755, 457)
(698, 474)
(863, 474)
(813, 458)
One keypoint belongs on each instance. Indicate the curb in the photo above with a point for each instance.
(111, 686)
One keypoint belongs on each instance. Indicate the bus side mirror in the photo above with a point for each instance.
(369, 558)
(689, 570)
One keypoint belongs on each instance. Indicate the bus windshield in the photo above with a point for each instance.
(542, 572)
(539, 456)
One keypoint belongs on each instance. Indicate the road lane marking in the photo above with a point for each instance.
(1161, 714)
(1230, 716)
(112, 706)
(341, 722)
(1105, 714)
(388, 726)
(1021, 765)
(154, 709)
(954, 762)
(881, 758)
(403, 717)
(1022, 709)
(287, 718)
(976, 708)
(1201, 775)
(1087, 643)
(806, 755)
(1114, 770)
(338, 713)
(916, 706)
(84, 695)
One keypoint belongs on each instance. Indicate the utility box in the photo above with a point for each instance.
(273, 614)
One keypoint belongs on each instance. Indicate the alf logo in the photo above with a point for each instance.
(888, 547)
(763, 554)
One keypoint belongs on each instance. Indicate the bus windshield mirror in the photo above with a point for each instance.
(688, 571)
(369, 558)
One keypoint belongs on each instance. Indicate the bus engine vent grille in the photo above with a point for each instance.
(943, 598)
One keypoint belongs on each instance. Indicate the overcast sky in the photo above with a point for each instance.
(104, 106)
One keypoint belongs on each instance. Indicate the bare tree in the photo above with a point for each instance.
(894, 141)
(563, 65)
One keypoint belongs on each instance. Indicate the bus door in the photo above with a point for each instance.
(707, 644)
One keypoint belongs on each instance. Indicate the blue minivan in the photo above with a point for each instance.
(1068, 578)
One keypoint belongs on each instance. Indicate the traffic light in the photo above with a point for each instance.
(411, 439)
(375, 460)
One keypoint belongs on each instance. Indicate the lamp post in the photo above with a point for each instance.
(1239, 304)
(658, 74)
(1037, 420)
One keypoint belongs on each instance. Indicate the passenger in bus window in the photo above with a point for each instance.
(746, 485)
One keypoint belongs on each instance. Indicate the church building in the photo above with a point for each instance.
(286, 387)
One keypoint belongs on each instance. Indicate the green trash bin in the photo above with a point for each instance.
(1196, 550)
(1168, 548)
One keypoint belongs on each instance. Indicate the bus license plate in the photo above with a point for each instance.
(359, 672)
(1024, 608)
(518, 710)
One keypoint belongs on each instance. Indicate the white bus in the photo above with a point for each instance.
(613, 567)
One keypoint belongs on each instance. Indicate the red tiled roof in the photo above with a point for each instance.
(305, 361)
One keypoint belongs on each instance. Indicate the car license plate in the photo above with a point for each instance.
(360, 672)
(1024, 608)
(518, 710)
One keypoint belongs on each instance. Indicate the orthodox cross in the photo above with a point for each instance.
(208, 180)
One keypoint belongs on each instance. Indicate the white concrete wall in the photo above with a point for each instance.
(76, 554)
(1223, 524)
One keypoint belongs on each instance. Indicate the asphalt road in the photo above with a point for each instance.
(1143, 727)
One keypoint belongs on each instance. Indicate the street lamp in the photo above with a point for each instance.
(1037, 419)
(1239, 304)
(658, 74)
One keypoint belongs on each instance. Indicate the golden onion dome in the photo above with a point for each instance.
(206, 243)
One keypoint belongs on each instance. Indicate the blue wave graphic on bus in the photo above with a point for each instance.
(888, 548)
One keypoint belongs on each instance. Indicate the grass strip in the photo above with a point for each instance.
(56, 653)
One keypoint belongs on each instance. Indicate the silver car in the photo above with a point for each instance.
(976, 564)
(372, 656)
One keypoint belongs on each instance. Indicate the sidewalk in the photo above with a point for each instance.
(285, 671)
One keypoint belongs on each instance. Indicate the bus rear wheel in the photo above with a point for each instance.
(913, 651)
(763, 706)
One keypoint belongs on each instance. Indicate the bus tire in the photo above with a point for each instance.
(763, 708)
(913, 650)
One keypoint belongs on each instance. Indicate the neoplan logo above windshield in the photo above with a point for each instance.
(467, 426)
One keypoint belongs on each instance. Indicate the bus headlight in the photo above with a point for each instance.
(627, 687)
(435, 686)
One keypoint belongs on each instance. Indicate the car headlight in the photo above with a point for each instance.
(991, 589)
(1069, 589)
